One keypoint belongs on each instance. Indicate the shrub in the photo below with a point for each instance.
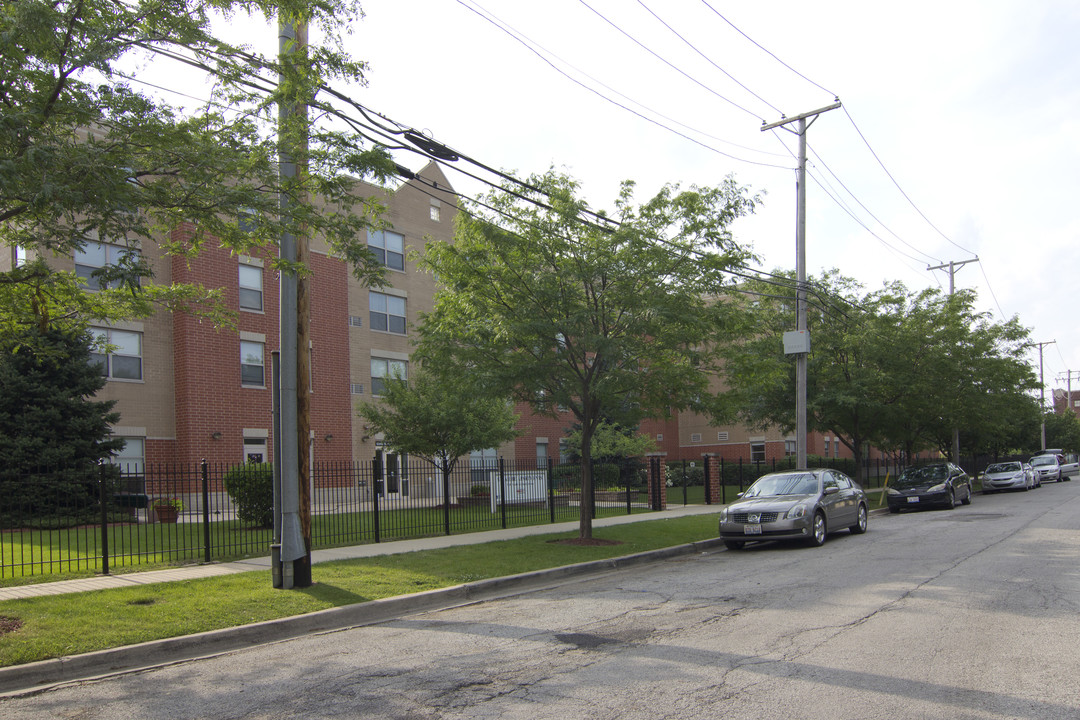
(251, 488)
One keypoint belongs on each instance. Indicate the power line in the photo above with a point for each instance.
(599, 94)
(767, 52)
(669, 63)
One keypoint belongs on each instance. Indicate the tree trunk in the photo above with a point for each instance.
(585, 521)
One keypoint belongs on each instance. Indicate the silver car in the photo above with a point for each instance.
(1006, 476)
(1048, 468)
(795, 505)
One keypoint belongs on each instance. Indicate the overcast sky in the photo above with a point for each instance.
(970, 110)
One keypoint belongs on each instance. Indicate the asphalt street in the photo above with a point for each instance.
(968, 613)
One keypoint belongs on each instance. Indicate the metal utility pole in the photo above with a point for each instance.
(798, 343)
(295, 522)
(1042, 392)
(953, 266)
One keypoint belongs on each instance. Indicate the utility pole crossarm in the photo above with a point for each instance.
(802, 116)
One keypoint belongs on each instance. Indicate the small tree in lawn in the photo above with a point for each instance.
(614, 320)
(439, 417)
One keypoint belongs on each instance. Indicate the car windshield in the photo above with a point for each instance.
(786, 484)
(1004, 467)
(922, 475)
(1044, 460)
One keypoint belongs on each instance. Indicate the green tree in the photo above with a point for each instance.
(891, 368)
(439, 418)
(90, 156)
(51, 429)
(611, 319)
(1062, 431)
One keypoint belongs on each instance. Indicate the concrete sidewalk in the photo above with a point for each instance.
(189, 572)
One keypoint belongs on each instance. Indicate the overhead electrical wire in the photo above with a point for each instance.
(624, 107)
(667, 62)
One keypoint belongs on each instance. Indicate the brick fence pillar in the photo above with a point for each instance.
(712, 478)
(657, 481)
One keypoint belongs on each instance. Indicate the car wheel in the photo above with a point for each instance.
(819, 531)
(734, 544)
(967, 498)
(860, 524)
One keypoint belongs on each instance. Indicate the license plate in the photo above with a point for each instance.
(751, 529)
(913, 499)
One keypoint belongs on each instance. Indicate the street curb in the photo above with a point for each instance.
(45, 674)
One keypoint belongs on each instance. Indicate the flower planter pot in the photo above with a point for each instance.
(166, 513)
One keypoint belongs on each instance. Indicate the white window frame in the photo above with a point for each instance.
(124, 345)
(250, 352)
(96, 255)
(757, 451)
(383, 368)
(388, 247)
(251, 287)
(387, 313)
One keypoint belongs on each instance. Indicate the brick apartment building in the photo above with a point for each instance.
(187, 390)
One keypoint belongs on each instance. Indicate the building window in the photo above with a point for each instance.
(251, 364)
(541, 454)
(826, 447)
(789, 447)
(436, 209)
(251, 287)
(382, 370)
(20, 256)
(95, 256)
(757, 452)
(132, 457)
(118, 352)
(387, 312)
(389, 248)
(247, 220)
(255, 450)
(659, 437)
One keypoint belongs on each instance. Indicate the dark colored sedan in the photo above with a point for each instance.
(795, 505)
(936, 485)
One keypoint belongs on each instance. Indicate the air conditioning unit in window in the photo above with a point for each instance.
(356, 388)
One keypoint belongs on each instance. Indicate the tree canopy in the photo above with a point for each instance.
(91, 155)
(611, 318)
(893, 368)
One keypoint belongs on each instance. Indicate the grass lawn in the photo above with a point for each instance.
(54, 626)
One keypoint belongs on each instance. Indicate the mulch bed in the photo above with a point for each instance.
(8, 624)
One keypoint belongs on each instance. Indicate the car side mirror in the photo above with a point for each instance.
(832, 490)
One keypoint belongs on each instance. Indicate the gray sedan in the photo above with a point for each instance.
(1010, 475)
(795, 505)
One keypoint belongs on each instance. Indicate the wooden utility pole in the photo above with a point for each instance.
(294, 431)
(798, 343)
(953, 266)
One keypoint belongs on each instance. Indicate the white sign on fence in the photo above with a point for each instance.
(522, 486)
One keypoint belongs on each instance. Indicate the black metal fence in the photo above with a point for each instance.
(100, 518)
